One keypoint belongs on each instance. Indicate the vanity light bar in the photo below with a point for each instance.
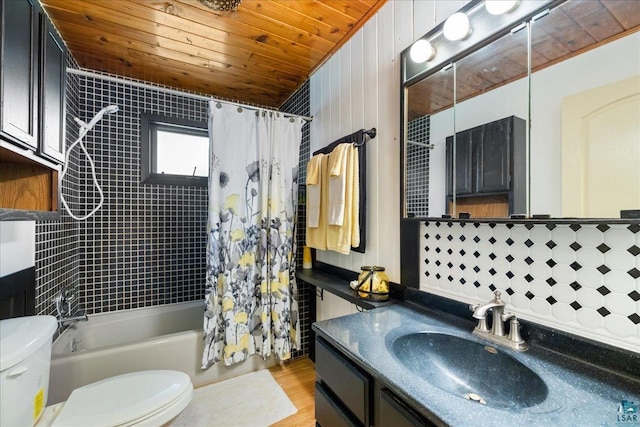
(519, 28)
(540, 15)
(483, 28)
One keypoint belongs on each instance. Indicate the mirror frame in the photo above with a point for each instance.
(486, 29)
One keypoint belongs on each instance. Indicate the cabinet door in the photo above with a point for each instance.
(328, 412)
(395, 413)
(52, 91)
(493, 150)
(350, 385)
(463, 163)
(19, 72)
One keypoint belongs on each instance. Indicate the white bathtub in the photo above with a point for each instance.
(161, 337)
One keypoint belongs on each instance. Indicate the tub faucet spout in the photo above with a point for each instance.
(80, 317)
(63, 309)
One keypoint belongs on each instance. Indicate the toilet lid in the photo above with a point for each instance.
(122, 399)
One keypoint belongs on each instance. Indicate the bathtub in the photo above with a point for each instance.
(161, 337)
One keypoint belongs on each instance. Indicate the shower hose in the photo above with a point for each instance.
(84, 129)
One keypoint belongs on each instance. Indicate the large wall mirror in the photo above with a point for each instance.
(540, 116)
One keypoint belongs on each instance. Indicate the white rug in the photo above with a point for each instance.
(251, 400)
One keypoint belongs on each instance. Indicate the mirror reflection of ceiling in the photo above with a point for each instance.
(576, 27)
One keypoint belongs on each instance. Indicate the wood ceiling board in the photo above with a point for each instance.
(177, 79)
(248, 19)
(260, 53)
(145, 19)
(269, 33)
(103, 42)
(627, 12)
(172, 38)
(157, 63)
(282, 14)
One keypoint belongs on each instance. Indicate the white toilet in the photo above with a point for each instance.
(145, 398)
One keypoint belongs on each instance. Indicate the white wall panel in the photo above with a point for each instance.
(17, 246)
(446, 8)
(386, 141)
(359, 87)
(371, 102)
(424, 17)
(356, 112)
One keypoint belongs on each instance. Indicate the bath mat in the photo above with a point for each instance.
(250, 400)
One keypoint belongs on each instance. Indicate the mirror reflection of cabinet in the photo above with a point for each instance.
(575, 47)
(489, 170)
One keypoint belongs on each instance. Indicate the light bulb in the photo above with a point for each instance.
(500, 7)
(457, 27)
(421, 51)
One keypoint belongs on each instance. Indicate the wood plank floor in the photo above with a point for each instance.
(297, 379)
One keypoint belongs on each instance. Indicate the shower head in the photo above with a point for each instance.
(106, 110)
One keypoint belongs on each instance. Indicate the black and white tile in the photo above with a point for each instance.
(57, 262)
(417, 167)
(580, 278)
(299, 103)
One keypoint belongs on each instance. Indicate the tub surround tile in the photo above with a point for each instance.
(147, 245)
(581, 278)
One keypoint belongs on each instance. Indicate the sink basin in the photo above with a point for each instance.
(469, 369)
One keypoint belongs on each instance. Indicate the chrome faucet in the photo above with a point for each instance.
(497, 333)
(63, 309)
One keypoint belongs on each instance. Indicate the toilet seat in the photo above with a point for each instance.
(148, 398)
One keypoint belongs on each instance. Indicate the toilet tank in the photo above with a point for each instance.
(25, 357)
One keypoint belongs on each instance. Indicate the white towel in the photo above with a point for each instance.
(314, 184)
(337, 183)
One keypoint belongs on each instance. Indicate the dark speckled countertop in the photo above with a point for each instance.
(578, 394)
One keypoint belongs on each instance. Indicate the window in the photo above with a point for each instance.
(174, 151)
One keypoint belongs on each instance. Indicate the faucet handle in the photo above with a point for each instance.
(497, 296)
(514, 331)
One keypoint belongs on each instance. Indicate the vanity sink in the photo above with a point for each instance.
(470, 370)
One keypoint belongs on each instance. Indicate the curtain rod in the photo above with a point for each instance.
(86, 73)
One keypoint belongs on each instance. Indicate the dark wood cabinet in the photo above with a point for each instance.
(393, 412)
(493, 161)
(19, 71)
(32, 110)
(463, 163)
(348, 395)
(489, 161)
(348, 383)
(53, 58)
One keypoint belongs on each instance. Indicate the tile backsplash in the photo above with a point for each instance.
(581, 278)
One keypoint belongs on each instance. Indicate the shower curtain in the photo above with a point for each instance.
(251, 296)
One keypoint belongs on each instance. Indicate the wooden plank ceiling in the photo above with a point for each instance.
(575, 27)
(258, 54)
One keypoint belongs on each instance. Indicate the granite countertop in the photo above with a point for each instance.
(578, 394)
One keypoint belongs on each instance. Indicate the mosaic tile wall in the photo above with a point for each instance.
(417, 167)
(57, 262)
(298, 103)
(146, 246)
(580, 278)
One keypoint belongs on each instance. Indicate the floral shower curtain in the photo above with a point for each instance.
(251, 297)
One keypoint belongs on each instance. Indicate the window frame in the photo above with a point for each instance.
(149, 125)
